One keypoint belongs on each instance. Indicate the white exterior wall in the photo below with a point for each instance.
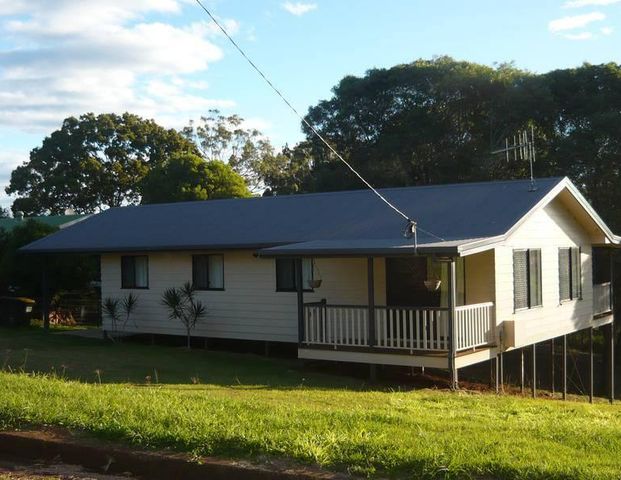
(249, 307)
(547, 229)
(479, 269)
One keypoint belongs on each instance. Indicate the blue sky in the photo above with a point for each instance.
(163, 59)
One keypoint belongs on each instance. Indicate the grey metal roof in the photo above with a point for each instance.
(452, 212)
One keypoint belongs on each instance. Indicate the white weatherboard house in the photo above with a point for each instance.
(498, 266)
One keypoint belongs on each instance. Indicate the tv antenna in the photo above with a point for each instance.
(521, 147)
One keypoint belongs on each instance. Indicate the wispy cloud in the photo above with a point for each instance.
(575, 21)
(607, 30)
(589, 3)
(299, 8)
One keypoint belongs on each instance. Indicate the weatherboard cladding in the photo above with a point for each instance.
(453, 212)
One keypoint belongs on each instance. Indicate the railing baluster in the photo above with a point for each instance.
(411, 335)
(417, 326)
(365, 326)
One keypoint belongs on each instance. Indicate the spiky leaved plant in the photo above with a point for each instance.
(182, 306)
(128, 305)
(111, 309)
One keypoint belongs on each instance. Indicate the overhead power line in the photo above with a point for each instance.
(411, 224)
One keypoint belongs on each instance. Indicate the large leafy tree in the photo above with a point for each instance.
(585, 133)
(187, 177)
(437, 121)
(287, 172)
(93, 162)
(421, 123)
(225, 138)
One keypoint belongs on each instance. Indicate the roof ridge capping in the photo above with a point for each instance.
(337, 192)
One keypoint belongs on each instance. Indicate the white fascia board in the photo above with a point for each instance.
(565, 183)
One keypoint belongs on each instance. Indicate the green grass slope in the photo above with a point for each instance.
(251, 407)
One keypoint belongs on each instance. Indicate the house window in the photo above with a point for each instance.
(526, 278)
(570, 274)
(135, 271)
(285, 274)
(208, 272)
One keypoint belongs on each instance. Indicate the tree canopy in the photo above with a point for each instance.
(186, 177)
(225, 138)
(93, 162)
(437, 121)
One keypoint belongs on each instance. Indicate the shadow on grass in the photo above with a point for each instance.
(32, 350)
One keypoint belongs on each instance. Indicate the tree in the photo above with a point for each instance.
(182, 306)
(188, 177)
(20, 273)
(436, 121)
(288, 171)
(224, 138)
(93, 162)
(426, 122)
(5, 212)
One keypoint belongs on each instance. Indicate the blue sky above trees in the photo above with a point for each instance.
(163, 59)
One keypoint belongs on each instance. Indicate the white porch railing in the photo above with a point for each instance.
(398, 328)
(474, 325)
(602, 298)
(411, 328)
(336, 325)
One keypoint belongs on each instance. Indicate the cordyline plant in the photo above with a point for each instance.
(120, 311)
(184, 307)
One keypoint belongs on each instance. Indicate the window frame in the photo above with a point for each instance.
(294, 288)
(133, 285)
(208, 289)
(571, 251)
(529, 296)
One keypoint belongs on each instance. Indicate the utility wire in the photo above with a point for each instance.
(411, 223)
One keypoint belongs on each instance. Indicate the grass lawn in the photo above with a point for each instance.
(244, 406)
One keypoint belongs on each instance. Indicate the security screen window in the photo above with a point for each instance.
(208, 272)
(134, 271)
(570, 274)
(526, 278)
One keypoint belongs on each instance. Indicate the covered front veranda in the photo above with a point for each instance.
(437, 309)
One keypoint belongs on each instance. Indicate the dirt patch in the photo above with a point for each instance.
(63, 448)
(18, 469)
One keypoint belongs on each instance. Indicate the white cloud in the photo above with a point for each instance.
(66, 58)
(8, 160)
(576, 21)
(589, 3)
(299, 8)
(578, 36)
(607, 30)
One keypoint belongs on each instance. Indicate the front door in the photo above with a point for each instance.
(405, 283)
